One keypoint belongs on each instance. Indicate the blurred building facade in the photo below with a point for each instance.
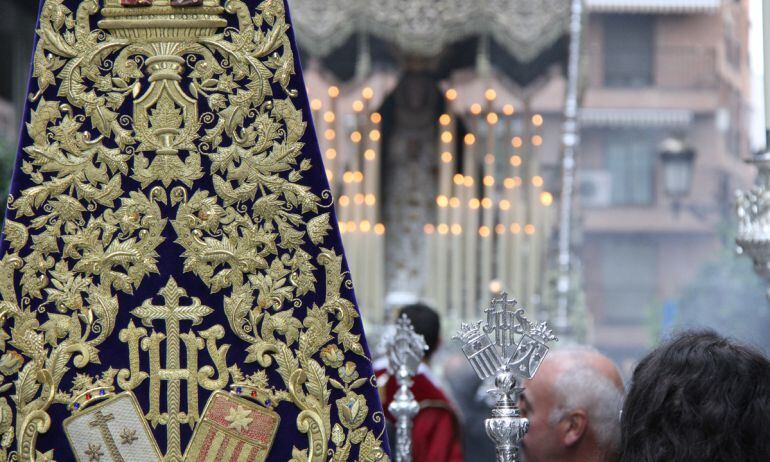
(654, 70)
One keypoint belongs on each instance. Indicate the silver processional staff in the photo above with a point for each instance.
(405, 350)
(509, 348)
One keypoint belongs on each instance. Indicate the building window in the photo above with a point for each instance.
(629, 278)
(628, 50)
(630, 161)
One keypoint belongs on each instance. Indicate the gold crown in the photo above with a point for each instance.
(161, 22)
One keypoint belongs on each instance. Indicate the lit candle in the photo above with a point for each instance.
(379, 264)
(504, 222)
(518, 208)
(447, 135)
(369, 190)
(487, 211)
(471, 223)
(457, 273)
(430, 289)
(330, 135)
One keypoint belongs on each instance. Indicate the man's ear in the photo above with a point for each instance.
(574, 426)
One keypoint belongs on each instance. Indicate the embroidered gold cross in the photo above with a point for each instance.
(100, 422)
(172, 312)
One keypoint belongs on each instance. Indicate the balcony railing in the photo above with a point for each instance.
(665, 68)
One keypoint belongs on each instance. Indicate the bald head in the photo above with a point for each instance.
(584, 358)
(573, 404)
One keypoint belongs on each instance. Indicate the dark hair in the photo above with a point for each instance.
(698, 398)
(425, 321)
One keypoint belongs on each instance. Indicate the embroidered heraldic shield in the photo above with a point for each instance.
(172, 282)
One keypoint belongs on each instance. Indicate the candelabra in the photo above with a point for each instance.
(753, 206)
(510, 348)
(753, 209)
(405, 350)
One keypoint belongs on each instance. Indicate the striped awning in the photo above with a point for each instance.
(654, 6)
(601, 117)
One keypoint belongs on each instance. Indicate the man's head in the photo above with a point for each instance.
(573, 405)
(698, 397)
(426, 322)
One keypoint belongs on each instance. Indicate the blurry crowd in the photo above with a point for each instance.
(699, 397)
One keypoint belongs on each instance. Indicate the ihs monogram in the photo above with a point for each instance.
(171, 313)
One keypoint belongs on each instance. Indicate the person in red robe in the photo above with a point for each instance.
(436, 429)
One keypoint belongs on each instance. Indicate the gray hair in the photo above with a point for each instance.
(580, 386)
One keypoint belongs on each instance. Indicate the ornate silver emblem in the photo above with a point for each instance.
(510, 348)
(405, 350)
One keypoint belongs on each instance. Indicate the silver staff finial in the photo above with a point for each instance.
(405, 349)
(518, 349)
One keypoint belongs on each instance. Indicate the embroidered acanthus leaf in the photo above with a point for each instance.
(338, 434)
(105, 308)
(290, 238)
(272, 287)
(284, 69)
(287, 362)
(101, 117)
(268, 207)
(55, 328)
(271, 10)
(237, 307)
(295, 126)
(303, 276)
(230, 195)
(105, 195)
(166, 114)
(16, 234)
(318, 227)
(44, 114)
(114, 160)
(42, 69)
(225, 157)
(27, 385)
(213, 135)
(287, 325)
(317, 382)
(318, 331)
(259, 84)
(298, 455)
(358, 435)
(235, 113)
(237, 374)
(371, 448)
(58, 360)
(29, 342)
(297, 194)
(351, 342)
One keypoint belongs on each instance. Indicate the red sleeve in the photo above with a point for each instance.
(435, 437)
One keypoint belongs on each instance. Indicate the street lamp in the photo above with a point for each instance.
(678, 159)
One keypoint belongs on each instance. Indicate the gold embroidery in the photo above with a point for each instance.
(172, 312)
(77, 237)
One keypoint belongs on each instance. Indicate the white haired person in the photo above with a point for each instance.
(573, 405)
